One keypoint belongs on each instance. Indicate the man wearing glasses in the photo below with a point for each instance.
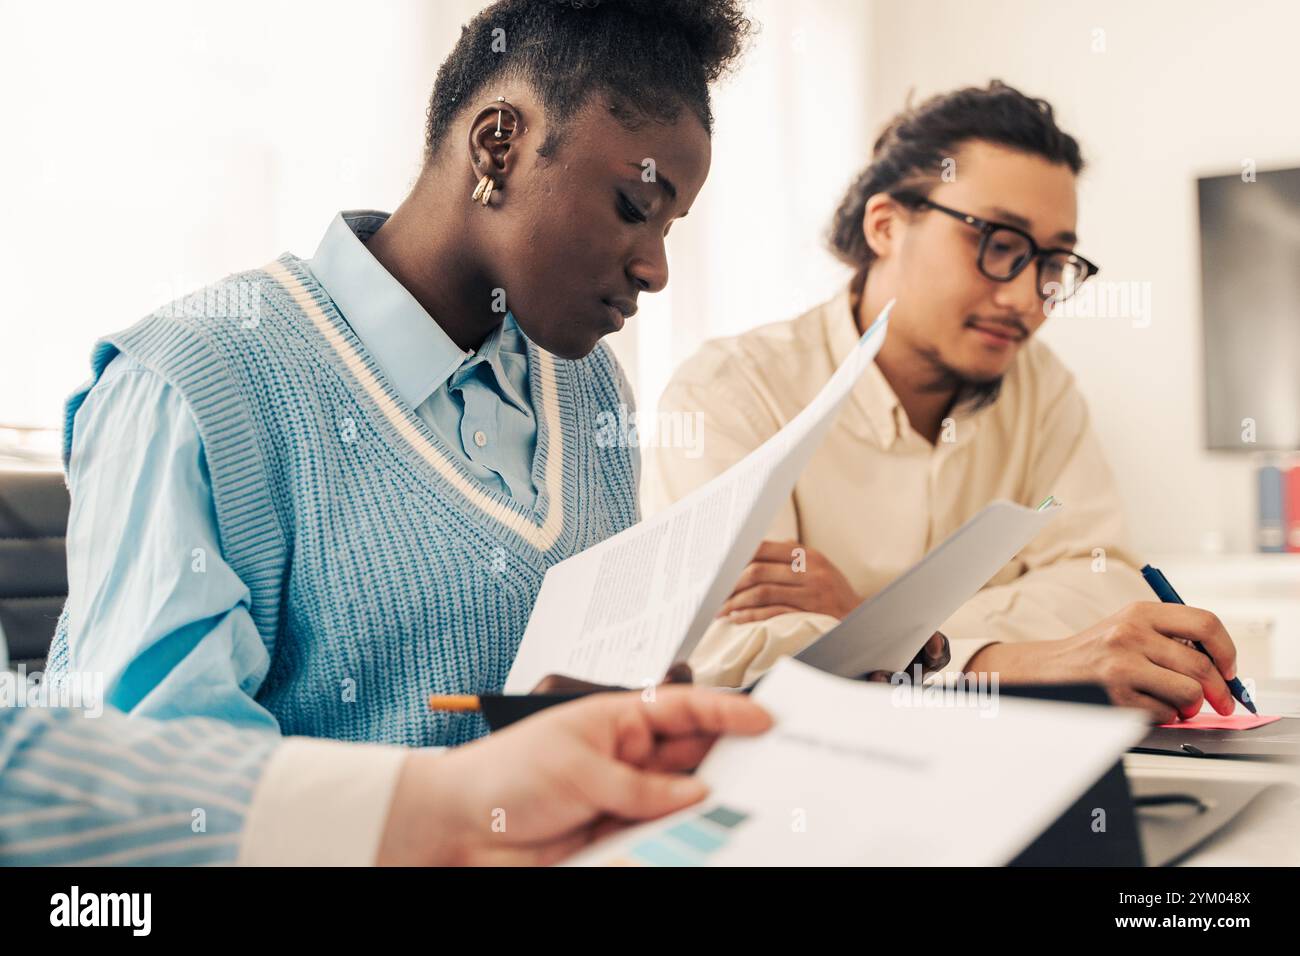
(966, 215)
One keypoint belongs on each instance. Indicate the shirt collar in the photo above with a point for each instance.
(506, 345)
(416, 355)
(873, 396)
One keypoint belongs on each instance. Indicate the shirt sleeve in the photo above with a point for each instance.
(96, 788)
(152, 604)
(321, 803)
(728, 655)
(1080, 569)
(76, 788)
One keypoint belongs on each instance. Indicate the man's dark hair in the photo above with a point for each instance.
(908, 156)
(652, 57)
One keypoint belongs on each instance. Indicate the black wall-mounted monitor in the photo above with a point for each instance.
(1250, 304)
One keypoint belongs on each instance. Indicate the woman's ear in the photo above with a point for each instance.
(883, 222)
(492, 135)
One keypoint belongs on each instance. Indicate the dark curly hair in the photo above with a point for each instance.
(651, 56)
(909, 154)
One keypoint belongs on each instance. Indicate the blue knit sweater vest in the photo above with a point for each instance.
(380, 570)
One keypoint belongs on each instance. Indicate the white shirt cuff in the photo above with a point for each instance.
(321, 803)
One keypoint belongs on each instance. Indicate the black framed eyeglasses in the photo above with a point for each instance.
(1005, 252)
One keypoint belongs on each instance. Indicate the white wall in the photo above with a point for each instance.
(789, 137)
(1182, 89)
(150, 148)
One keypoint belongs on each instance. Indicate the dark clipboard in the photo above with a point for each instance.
(1277, 742)
(1074, 839)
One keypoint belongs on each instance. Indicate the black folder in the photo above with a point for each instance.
(1100, 828)
(1278, 741)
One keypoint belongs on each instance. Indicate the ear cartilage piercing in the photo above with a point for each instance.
(498, 132)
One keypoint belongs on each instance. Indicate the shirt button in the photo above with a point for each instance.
(480, 439)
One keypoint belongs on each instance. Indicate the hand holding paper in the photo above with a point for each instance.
(885, 631)
(857, 773)
(625, 610)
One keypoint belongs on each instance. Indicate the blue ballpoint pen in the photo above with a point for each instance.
(1165, 591)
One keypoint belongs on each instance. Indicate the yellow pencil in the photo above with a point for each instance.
(457, 703)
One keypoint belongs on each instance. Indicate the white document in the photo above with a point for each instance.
(885, 632)
(622, 612)
(855, 773)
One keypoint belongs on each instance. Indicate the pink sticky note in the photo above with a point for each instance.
(1204, 721)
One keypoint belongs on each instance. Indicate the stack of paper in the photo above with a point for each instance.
(859, 773)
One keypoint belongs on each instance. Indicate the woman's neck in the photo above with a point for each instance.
(427, 246)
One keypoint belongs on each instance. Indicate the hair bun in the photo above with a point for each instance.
(715, 30)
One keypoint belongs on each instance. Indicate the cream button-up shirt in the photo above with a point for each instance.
(877, 495)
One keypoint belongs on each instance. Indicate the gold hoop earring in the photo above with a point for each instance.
(487, 193)
(483, 184)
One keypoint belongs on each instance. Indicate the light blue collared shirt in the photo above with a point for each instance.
(152, 604)
(478, 402)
